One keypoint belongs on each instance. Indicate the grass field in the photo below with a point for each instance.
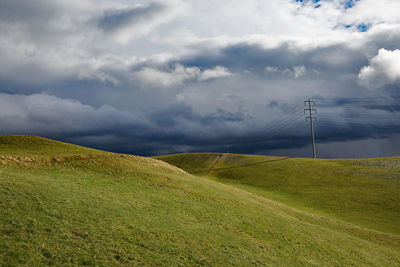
(363, 192)
(62, 204)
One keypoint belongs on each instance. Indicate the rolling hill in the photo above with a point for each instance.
(62, 204)
(365, 192)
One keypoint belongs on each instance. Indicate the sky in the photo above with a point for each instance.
(172, 76)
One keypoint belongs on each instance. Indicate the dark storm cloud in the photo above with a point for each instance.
(176, 129)
(68, 119)
(176, 114)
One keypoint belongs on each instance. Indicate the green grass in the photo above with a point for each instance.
(23, 145)
(361, 192)
(65, 205)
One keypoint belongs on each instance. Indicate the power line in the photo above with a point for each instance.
(365, 126)
(295, 129)
(358, 116)
(283, 127)
(287, 125)
(276, 124)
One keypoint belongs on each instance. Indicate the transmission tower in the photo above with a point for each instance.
(310, 111)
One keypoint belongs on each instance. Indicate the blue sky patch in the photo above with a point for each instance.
(346, 3)
(363, 27)
(349, 3)
(359, 27)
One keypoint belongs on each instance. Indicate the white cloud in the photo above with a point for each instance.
(271, 69)
(299, 71)
(383, 69)
(60, 36)
(372, 11)
(217, 72)
(272, 23)
(169, 78)
(179, 74)
(295, 71)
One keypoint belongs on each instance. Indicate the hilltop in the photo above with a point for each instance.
(62, 204)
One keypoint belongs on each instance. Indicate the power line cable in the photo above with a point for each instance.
(277, 124)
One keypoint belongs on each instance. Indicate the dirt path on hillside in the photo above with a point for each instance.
(216, 164)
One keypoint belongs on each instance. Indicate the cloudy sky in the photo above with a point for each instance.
(157, 77)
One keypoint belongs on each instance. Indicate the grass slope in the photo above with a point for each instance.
(66, 205)
(363, 192)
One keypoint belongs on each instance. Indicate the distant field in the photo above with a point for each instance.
(365, 192)
(66, 205)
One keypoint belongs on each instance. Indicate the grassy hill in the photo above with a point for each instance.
(62, 204)
(365, 192)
